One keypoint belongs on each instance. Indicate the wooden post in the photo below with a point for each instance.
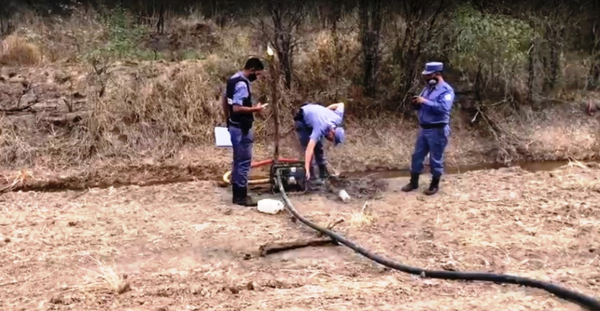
(274, 74)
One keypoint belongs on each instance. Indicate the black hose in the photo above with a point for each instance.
(587, 302)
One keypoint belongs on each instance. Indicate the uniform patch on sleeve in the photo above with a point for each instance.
(448, 96)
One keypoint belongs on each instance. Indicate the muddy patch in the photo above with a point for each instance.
(362, 188)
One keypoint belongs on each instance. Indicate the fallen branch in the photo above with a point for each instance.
(19, 108)
(19, 179)
(9, 187)
(68, 118)
(272, 248)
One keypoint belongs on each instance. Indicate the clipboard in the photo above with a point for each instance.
(222, 137)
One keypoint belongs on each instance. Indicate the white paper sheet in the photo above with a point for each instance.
(222, 137)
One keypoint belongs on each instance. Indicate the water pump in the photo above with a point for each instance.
(293, 177)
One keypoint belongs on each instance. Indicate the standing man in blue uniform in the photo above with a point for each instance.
(240, 117)
(434, 105)
(313, 122)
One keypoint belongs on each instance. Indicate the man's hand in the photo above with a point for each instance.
(418, 100)
(335, 106)
(310, 148)
(258, 107)
(261, 112)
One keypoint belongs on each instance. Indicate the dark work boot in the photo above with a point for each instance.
(434, 186)
(244, 199)
(235, 191)
(413, 184)
(323, 174)
(314, 181)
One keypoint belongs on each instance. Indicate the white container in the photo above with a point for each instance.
(344, 195)
(269, 206)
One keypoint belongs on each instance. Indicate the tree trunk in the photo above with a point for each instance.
(338, 53)
(594, 72)
(285, 21)
(370, 26)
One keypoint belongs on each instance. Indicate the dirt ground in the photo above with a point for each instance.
(184, 247)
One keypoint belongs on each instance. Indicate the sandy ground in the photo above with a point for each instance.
(184, 247)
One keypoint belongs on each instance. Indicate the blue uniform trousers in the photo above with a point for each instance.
(433, 142)
(304, 134)
(242, 155)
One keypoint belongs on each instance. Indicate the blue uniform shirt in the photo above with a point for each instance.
(438, 105)
(322, 119)
(241, 90)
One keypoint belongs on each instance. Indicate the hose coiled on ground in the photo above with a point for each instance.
(587, 302)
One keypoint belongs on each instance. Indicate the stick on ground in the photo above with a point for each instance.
(272, 248)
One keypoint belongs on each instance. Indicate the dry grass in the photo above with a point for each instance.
(105, 279)
(363, 218)
(546, 136)
(178, 110)
(133, 111)
(16, 51)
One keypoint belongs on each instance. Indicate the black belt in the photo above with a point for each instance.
(235, 124)
(299, 117)
(231, 123)
(433, 126)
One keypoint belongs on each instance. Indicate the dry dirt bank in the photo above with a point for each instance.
(183, 247)
(154, 123)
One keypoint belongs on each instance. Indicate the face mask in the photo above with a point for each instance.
(433, 81)
(252, 77)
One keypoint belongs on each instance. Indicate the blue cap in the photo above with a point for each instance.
(339, 135)
(433, 67)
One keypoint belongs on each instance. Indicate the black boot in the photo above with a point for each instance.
(413, 184)
(235, 194)
(323, 174)
(313, 175)
(314, 182)
(434, 186)
(243, 199)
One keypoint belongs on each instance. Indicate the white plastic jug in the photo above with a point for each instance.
(344, 196)
(269, 206)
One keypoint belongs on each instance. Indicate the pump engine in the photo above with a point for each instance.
(293, 177)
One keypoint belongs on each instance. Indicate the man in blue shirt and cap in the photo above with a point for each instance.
(239, 112)
(434, 105)
(313, 122)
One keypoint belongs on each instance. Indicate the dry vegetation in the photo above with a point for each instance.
(86, 100)
(93, 99)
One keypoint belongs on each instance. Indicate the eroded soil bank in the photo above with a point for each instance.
(184, 247)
